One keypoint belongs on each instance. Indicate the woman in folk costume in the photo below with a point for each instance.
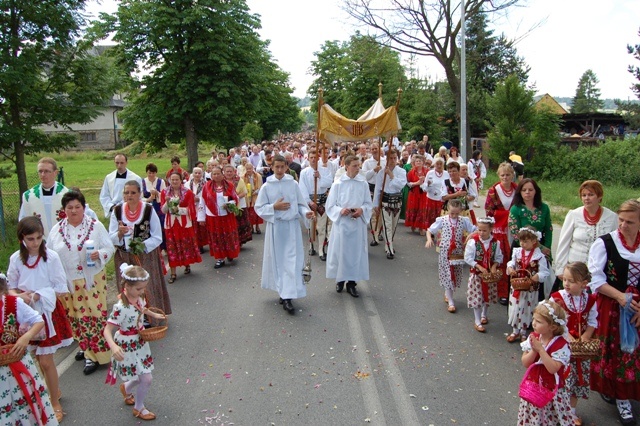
(25, 399)
(416, 212)
(497, 205)
(36, 275)
(179, 208)
(85, 249)
(152, 188)
(196, 185)
(221, 223)
(136, 219)
(244, 227)
(253, 182)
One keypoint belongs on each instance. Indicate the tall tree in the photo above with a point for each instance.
(49, 75)
(208, 72)
(423, 28)
(631, 110)
(587, 98)
(349, 73)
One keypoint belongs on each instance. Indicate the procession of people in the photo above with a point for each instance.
(314, 199)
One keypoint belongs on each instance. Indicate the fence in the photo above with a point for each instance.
(10, 197)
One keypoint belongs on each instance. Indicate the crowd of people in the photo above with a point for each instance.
(350, 198)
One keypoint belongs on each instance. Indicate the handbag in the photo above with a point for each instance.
(535, 392)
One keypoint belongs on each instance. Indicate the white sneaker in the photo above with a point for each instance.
(625, 412)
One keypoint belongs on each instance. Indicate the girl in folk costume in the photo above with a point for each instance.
(416, 211)
(483, 254)
(36, 275)
(85, 249)
(457, 188)
(244, 227)
(527, 257)
(549, 354)
(221, 224)
(434, 187)
(477, 171)
(136, 219)
(497, 205)
(253, 182)
(196, 185)
(581, 309)
(131, 356)
(152, 188)
(179, 208)
(25, 399)
(451, 258)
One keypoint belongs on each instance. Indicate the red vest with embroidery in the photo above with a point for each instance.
(574, 318)
(540, 372)
(9, 326)
(479, 257)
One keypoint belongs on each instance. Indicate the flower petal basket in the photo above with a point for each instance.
(155, 332)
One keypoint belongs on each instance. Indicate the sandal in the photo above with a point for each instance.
(577, 421)
(452, 309)
(484, 320)
(512, 337)
(172, 279)
(129, 399)
(59, 414)
(187, 269)
(142, 415)
(479, 328)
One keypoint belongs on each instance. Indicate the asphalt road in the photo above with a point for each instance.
(394, 356)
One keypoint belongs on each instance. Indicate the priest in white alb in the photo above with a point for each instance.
(349, 207)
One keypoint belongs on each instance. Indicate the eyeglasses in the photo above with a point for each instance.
(45, 172)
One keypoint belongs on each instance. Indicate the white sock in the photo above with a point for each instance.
(485, 308)
(449, 293)
(476, 314)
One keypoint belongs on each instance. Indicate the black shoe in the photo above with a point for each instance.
(351, 289)
(339, 286)
(390, 256)
(380, 237)
(258, 231)
(281, 301)
(323, 257)
(89, 367)
(230, 259)
(503, 301)
(288, 306)
(219, 264)
(607, 399)
(79, 355)
(312, 252)
(626, 415)
(373, 243)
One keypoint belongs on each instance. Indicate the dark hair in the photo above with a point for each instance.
(123, 155)
(175, 159)
(151, 168)
(133, 182)
(73, 195)
(537, 198)
(175, 173)
(27, 226)
(199, 163)
(453, 165)
(3, 286)
(349, 158)
(476, 154)
(279, 158)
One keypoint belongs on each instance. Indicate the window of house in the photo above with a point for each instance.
(88, 136)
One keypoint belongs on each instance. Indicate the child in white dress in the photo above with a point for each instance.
(482, 254)
(451, 257)
(131, 356)
(528, 257)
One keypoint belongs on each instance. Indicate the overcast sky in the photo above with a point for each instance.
(572, 36)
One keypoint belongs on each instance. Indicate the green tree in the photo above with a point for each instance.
(587, 98)
(349, 74)
(208, 72)
(49, 75)
(631, 110)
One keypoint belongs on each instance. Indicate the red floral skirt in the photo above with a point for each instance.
(254, 219)
(415, 214)
(203, 235)
(223, 236)
(434, 208)
(182, 246)
(61, 325)
(244, 227)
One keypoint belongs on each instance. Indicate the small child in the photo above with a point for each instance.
(483, 254)
(451, 257)
(131, 356)
(580, 307)
(527, 257)
(34, 407)
(550, 352)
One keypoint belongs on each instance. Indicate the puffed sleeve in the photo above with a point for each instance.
(26, 314)
(155, 239)
(564, 243)
(596, 263)
(55, 270)
(470, 253)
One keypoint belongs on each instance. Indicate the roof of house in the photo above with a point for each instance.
(548, 101)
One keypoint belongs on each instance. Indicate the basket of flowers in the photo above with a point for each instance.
(158, 327)
(521, 280)
(491, 277)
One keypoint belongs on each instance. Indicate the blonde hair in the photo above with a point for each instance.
(132, 275)
(556, 317)
(579, 271)
(506, 167)
(630, 206)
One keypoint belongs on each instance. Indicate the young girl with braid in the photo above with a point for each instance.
(131, 356)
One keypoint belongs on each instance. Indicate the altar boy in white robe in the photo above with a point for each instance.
(349, 207)
(113, 185)
(281, 204)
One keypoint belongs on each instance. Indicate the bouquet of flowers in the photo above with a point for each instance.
(136, 246)
(232, 208)
(174, 205)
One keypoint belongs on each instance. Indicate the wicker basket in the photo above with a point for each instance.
(521, 280)
(585, 350)
(155, 332)
(491, 278)
(6, 357)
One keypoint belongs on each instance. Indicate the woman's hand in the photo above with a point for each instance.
(546, 251)
(95, 255)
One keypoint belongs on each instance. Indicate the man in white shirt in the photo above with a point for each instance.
(371, 167)
(388, 193)
(45, 199)
(111, 193)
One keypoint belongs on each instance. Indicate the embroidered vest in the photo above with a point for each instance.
(575, 318)
(9, 326)
(616, 269)
(479, 258)
(142, 229)
(452, 190)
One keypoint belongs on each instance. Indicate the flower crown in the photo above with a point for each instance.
(3, 276)
(537, 234)
(552, 312)
(126, 266)
(488, 220)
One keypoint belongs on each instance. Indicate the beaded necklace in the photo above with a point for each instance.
(635, 245)
(65, 235)
(34, 263)
(592, 220)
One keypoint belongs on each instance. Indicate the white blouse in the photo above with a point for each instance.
(598, 259)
